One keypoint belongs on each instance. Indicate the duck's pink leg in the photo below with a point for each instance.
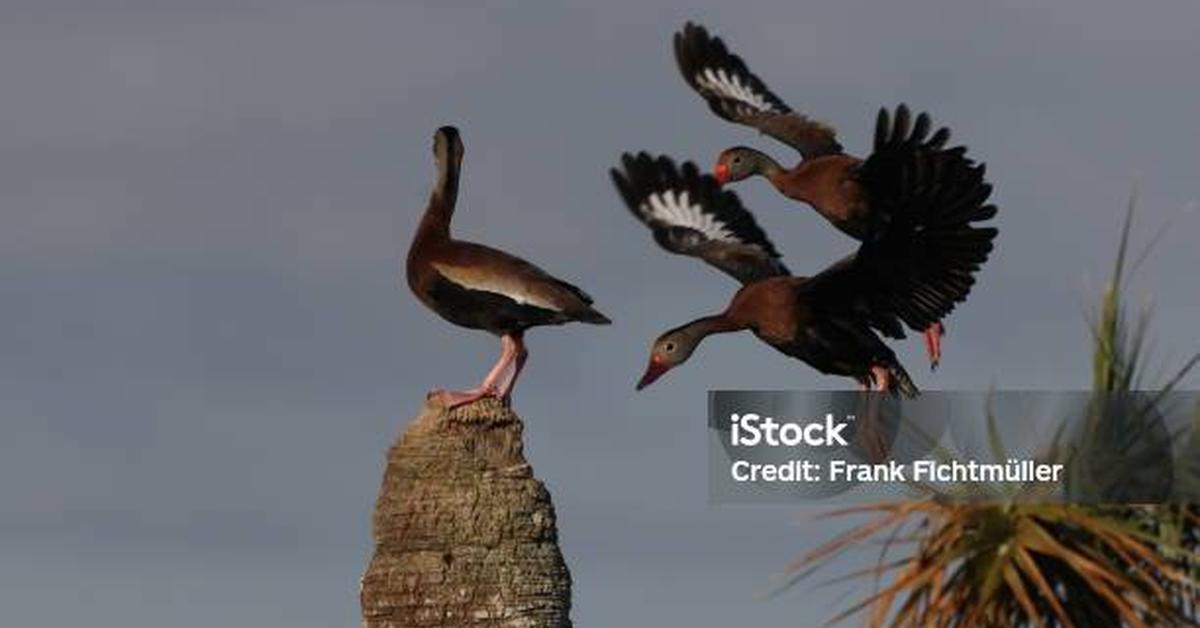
(882, 378)
(508, 351)
(933, 343)
(870, 436)
(521, 355)
(452, 399)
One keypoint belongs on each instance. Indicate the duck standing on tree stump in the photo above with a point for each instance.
(917, 266)
(479, 287)
(826, 177)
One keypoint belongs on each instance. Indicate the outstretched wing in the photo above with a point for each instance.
(690, 214)
(921, 259)
(737, 95)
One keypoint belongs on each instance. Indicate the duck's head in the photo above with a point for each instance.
(447, 146)
(739, 162)
(670, 350)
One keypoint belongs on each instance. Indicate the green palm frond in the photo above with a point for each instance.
(1022, 563)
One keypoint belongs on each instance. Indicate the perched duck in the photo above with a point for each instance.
(921, 263)
(478, 287)
(826, 178)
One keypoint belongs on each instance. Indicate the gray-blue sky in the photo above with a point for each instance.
(207, 345)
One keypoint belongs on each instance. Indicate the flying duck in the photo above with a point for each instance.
(479, 287)
(826, 177)
(920, 264)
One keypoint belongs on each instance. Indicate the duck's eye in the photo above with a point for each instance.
(737, 160)
(669, 347)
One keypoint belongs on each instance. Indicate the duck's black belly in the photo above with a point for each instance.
(837, 350)
(823, 359)
(478, 309)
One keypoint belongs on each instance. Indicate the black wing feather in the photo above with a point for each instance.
(690, 214)
(735, 94)
(921, 258)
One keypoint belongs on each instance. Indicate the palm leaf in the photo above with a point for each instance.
(1045, 564)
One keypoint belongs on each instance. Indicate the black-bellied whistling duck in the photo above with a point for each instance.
(478, 287)
(826, 178)
(918, 266)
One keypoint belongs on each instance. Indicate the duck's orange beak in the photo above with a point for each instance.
(721, 173)
(654, 370)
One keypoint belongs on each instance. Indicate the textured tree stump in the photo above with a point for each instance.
(464, 534)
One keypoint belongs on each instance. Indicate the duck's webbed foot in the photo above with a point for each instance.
(451, 399)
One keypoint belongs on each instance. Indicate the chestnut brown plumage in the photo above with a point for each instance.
(826, 178)
(917, 264)
(478, 287)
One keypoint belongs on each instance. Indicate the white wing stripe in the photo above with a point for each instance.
(677, 210)
(503, 286)
(721, 82)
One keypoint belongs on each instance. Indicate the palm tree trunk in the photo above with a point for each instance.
(464, 533)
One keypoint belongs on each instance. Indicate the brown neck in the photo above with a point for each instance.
(706, 326)
(435, 224)
(764, 165)
(771, 169)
